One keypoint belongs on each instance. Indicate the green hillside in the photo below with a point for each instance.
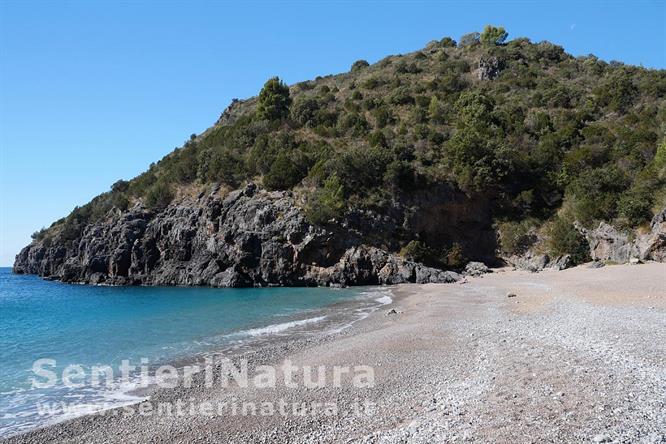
(547, 137)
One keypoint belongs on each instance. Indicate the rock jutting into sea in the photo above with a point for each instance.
(251, 237)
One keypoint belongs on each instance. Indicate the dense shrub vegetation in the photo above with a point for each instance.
(563, 238)
(418, 251)
(549, 130)
(515, 237)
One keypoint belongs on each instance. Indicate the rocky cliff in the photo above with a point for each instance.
(605, 243)
(250, 237)
(609, 244)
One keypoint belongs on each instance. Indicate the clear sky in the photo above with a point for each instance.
(94, 91)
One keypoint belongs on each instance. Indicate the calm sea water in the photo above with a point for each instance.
(89, 325)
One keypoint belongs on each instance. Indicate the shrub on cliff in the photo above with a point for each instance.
(401, 175)
(159, 195)
(617, 92)
(220, 165)
(359, 65)
(360, 168)
(435, 110)
(635, 205)
(564, 238)
(447, 42)
(478, 158)
(469, 39)
(274, 100)
(120, 201)
(515, 237)
(285, 171)
(120, 186)
(418, 251)
(659, 162)
(455, 256)
(39, 235)
(304, 110)
(326, 203)
(492, 35)
(354, 123)
(382, 115)
(594, 194)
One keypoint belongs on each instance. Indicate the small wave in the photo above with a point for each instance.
(361, 313)
(384, 300)
(106, 403)
(25, 411)
(277, 328)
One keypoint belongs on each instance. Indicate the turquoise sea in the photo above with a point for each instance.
(93, 325)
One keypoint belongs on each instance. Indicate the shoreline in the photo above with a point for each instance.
(263, 342)
(457, 362)
(272, 343)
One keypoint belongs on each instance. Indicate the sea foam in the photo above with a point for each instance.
(277, 328)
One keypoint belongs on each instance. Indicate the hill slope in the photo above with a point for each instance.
(359, 177)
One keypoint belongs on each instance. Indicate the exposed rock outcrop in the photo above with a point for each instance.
(476, 269)
(652, 246)
(529, 261)
(609, 244)
(606, 244)
(561, 262)
(489, 68)
(251, 237)
(535, 262)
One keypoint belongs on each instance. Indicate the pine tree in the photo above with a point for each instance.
(274, 100)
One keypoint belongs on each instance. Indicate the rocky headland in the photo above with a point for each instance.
(399, 171)
(250, 237)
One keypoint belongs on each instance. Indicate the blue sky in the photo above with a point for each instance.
(91, 92)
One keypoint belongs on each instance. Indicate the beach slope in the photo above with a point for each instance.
(571, 356)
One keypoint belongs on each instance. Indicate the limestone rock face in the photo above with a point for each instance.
(251, 237)
(476, 269)
(530, 261)
(606, 243)
(561, 262)
(609, 244)
(489, 68)
(652, 246)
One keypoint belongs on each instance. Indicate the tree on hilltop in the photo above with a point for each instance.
(274, 100)
(492, 35)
